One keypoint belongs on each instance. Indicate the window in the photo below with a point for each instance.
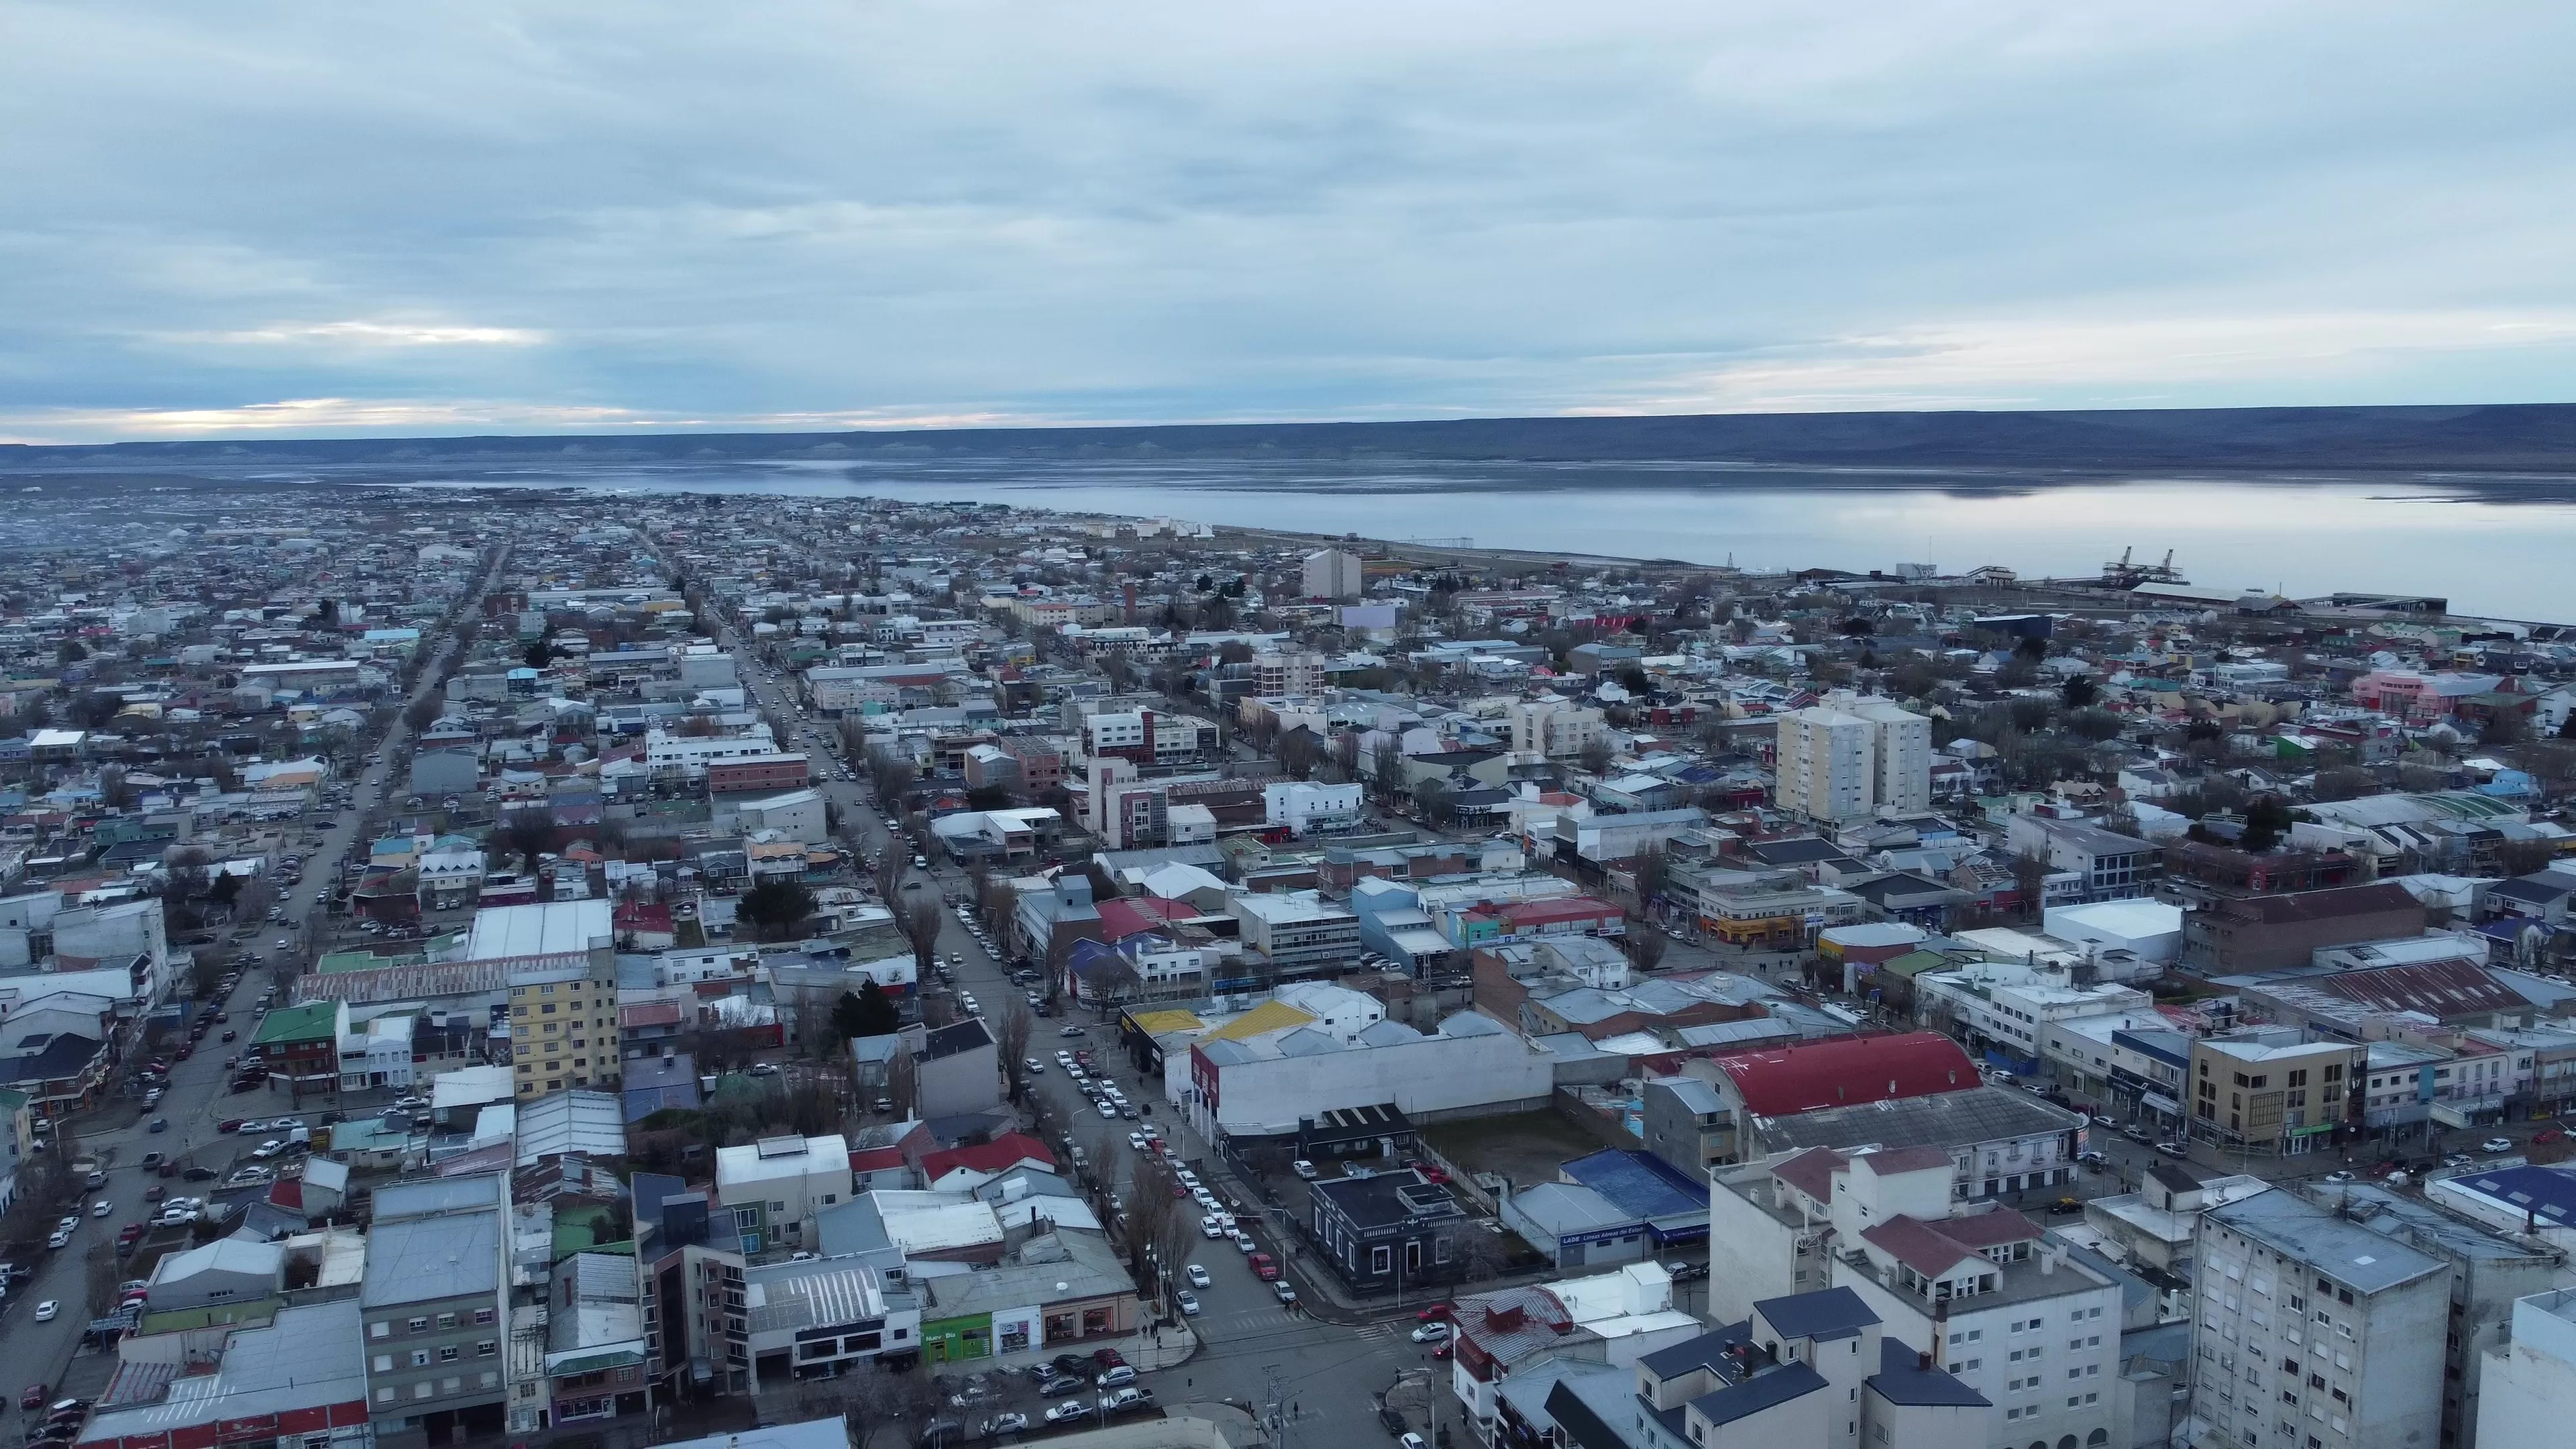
(486, 1348)
(446, 1321)
(379, 1330)
(484, 1315)
(448, 1354)
(423, 1389)
(420, 1358)
(384, 1396)
(420, 1325)
(384, 1363)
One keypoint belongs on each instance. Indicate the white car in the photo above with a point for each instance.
(1432, 1332)
(46, 1310)
(101, 1208)
(1108, 1111)
(1189, 1304)
(270, 1148)
(2496, 1144)
(1139, 1141)
(60, 1237)
(1243, 1240)
(1303, 1169)
(1208, 1227)
(1197, 1275)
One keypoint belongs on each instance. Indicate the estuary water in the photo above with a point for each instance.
(2499, 547)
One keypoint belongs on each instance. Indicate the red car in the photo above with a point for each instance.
(187, 1051)
(33, 1396)
(2548, 1134)
(230, 1124)
(1438, 1311)
(1263, 1268)
(1107, 1358)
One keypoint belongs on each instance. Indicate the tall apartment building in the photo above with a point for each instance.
(1332, 573)
(1557, 728)
(1287, 673)
(2007, 1311)
(2312, 1329)
(1852, 757)
(2266, 1089)
(562, 966)
(435, 1307)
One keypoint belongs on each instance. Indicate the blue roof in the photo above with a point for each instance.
(1639, 1183)
(1902, 1379)
(1764, 1390)
(1825, 1313)
(2546, 1193)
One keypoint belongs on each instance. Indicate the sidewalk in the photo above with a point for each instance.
(1169, 1346)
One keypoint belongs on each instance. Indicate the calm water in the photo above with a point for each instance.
(2302, 536)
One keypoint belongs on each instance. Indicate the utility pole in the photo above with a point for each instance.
(1274, 1417)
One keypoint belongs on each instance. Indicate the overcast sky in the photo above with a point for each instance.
(318, 219)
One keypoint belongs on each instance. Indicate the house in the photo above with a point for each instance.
(1380, 1232)
(435, 1301)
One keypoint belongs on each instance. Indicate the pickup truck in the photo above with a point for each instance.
(1126, 1400)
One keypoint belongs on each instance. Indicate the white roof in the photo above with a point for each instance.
(776, 1159)
(554, 928)
(469, 1087)
(929, 1222)
(2131, 919)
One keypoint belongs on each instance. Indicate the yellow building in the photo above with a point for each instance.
(563, 1030)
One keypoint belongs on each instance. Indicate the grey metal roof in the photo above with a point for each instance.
(419, 1259)
(2345, 1251)
(784, 1297)
(1765, 1390)
(1944, 1120)
(428, 1196)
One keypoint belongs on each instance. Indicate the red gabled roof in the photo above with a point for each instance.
(877, 1159)
(643, 916)
(1564, 908)
(1001, 1154)
(1135, 915)
(1784, 1081)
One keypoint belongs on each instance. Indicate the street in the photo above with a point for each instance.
(117, 1129)
(1325, 1372)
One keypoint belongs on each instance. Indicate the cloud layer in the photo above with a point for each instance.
(319, 219)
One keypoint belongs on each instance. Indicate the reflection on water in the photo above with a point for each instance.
(2305, 536)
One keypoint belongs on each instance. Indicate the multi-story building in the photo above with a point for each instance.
(2086, 862)
(1332, 573)
(1851, 757)
(1556, 728)
(2531, 1377)
(2309, 1325)
(561, 963)
(2259, 933)
(2004, 1309)
(1297, 932)
(1286, 673)
(1612, 1318)
(2266, 1089)
(775, 1186)
(300, 1045)
(435, 1306)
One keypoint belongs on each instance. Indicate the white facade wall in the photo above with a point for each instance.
(1302, 805)
(1332, 574)
(1437, 1075)
(2076, 1330)
(2529, 1388)
(1827, 767)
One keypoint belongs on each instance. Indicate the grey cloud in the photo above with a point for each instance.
(1141, 212)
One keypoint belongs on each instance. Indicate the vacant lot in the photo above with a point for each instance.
(1525, 1148)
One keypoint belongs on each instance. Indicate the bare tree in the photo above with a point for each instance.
(903, 1083)
(1011, 1037)
(887, 874)
(918, 921)
(1645, 945)
(99, 1275)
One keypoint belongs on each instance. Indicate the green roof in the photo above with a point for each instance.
(1914, 962)
(299, 1023)
(361, 959)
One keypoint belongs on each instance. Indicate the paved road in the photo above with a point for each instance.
(1249, 1340)
(119, 1132)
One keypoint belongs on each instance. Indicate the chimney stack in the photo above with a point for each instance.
(1923, 1360)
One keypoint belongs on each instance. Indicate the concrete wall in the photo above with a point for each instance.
(1428, 1080)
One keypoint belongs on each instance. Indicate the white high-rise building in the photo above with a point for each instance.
(1332, 574)
(1851, 757)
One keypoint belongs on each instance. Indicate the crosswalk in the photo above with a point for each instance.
(1244, 1323)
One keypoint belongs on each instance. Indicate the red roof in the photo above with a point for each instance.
(1784, 1081)
(877, 1159)
(999, 1155)
(1135, 915)
(643, 916)
(1567, 908)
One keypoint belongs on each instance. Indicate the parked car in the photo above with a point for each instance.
(2496, 1144)
(1304, 1169)
(1189, 1304)
(1263, 1268)
(1113, 1378)
(1286, 1293)
(1197, 1275)
(46, 1310)
(1068, 1412)
(33, 1396)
